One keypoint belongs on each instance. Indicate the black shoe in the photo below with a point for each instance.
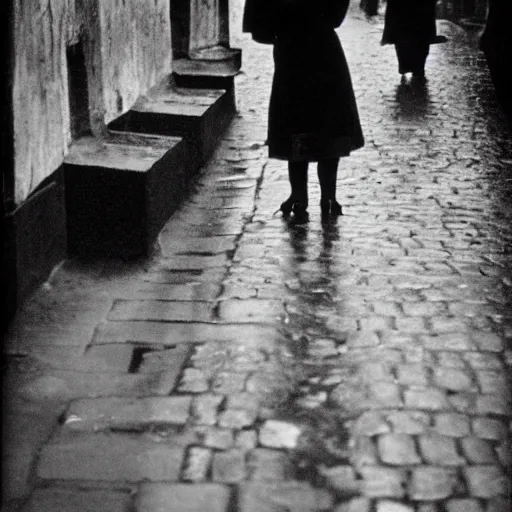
(290, 205)
(300, 212)
(419, 74)
(330, 208)
(287, 206)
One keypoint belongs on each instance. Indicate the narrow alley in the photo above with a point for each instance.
(257, 365)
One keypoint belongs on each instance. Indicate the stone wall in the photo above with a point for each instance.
(40, 100)
(205, 28)
(126, 48)
(137, 51)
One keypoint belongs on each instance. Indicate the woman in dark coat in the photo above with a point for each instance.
(313, 114)
(411, 26)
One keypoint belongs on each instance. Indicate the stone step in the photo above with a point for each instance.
(200, 116)
(218, 53)
(205, 74)
(121, 189)
(209, 68)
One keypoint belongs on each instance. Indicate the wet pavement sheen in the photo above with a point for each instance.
(353, 365)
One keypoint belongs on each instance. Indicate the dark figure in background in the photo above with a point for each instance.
(313, 114)
(411, 26)
(496, 43)
(370, 7)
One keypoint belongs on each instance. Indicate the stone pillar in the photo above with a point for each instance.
(224, 22)
(202, 56)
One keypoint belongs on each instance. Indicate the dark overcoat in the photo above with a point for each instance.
(259, 20)
(312, 113)
(410, 21)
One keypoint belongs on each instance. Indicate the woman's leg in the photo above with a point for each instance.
(412, 57)
(327, 176)
(298, 177)
(421, 52)
(403, 55)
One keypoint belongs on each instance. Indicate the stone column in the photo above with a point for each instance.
(224, 22)
(202, 56)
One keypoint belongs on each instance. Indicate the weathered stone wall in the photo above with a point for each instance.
(137, 51)
(205, 26)
(40, 100)
(127, 47)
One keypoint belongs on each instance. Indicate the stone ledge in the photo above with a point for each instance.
(217, 53)
(205, 64)
(199, 116)
(208, 73)
(120, 190)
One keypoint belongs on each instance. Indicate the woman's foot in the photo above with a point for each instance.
(300, 213)
(299, 210)
(298, 200)
(330, 208)
(287, 206)
(291, 205)
(419, 78)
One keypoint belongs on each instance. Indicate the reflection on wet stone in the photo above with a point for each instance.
(356, 365)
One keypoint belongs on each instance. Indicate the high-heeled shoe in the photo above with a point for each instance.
(300, 213)
(330, 207)
(287, 206)
(291, 205)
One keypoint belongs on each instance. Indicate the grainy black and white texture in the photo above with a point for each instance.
(256, 365)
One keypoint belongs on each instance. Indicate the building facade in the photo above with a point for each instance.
(73, 68)
(492, 19)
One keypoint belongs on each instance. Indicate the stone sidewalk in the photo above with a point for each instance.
(255, 365)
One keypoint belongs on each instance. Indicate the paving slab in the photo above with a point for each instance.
(159, 497)
(163, 333)
(267, 496)
(160, 310)
(71, 500)
(127, 414)
(109, 458)
(381, 335)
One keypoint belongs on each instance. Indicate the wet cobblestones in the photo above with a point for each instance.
(356, 366)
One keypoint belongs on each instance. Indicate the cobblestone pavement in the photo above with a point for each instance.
(260, 366)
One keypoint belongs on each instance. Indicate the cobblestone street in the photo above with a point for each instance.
(257, 365)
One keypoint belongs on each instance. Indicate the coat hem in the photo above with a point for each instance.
(312, 148)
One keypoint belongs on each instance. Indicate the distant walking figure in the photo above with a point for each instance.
(313, 114)
(370, 7)
(411, 26)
